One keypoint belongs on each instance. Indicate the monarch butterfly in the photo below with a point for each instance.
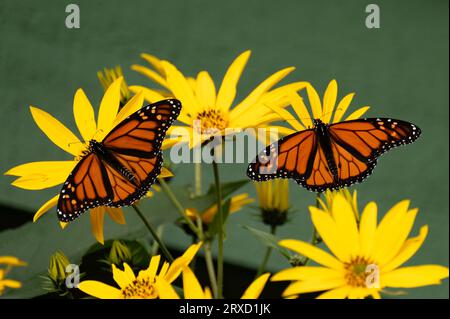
(120, 169)
(332, 156)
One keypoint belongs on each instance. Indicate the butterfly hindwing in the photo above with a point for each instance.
(86, 187)
(142, 133)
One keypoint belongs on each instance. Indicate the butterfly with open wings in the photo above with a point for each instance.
(332, 156)
(120, 169)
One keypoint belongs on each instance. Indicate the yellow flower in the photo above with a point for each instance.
(47, 174)
(143, 286)
(322, 110)
(273, 198)
(193, 290)
(9, 261)
(236, 204)
(329, 197)
(208, 112)
(365, 258)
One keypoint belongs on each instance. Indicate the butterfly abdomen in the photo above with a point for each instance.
(323, 137)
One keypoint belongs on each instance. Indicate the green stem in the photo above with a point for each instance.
(262, 267)
(163, 247)
(168, 191)
(198, 179)
(210, 267)
(219, 233)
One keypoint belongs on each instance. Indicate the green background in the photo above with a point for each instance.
(400, 70)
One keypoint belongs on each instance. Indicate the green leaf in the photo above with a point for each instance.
(268, 240)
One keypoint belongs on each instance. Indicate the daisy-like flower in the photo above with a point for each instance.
(236, 204)
(273, 201)
(327, 202)
(6, 264)
(192, 288)
(365, 257)
(207, 111)
(47, 174)
(320, 109)
(146, 284)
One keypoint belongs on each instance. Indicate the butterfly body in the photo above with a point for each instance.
(332, 156)
(120, 169)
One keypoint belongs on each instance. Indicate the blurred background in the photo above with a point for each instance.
(400, 70)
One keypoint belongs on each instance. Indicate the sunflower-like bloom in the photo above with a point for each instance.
(322, 110)
(273, 201)
(365, 257)
(192, 288)
(207, 111)
(207, 216)
(47, 174)
(6, 264)
(146, 284)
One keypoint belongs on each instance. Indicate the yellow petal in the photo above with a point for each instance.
(11, 261)
(258, 92)
(301, 110)
(40, 175)
(84, 115)
(307, 273)
(10, 283)
(99, 290)
(409, 248)
(330, 233)
(191, 287)
(358, 113)
(149, 95)
(180, 88)
(152, 75)
(342, 107)
(120, 277)
(150, 272)
(181, 262)
(63, 225)
(132, 106)
(108, 109)
(367, 229)
(318, 255)
(329, 100)
(314, 101)
(344, 218)
(57, 132)
(154, 61)
(97, 216)
(165, 173)
(256, 287)
(414, 276)
(46, 207)
(300, 287)
(227, 91)
(337, 293)
(285, 115)
(165, 290)
(116, 214)
(205, 89)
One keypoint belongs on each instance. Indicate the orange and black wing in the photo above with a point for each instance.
(142, 133)
(290, 157)
(357, 144)
(88, 186)
(126, 191)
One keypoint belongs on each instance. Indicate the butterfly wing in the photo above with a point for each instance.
(145, 171)
(86, 187)
(290, 157)
(142, 133)
(357, 144)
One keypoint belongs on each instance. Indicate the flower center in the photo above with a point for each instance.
(358, 272)
(140, 289)
(212, 121)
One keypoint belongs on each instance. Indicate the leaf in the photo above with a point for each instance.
(268, 240)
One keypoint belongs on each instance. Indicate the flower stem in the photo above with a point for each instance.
(262, 267)
(168, 191)
(210, 267)
(220, 232)
(163, 247)
(198, 179)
